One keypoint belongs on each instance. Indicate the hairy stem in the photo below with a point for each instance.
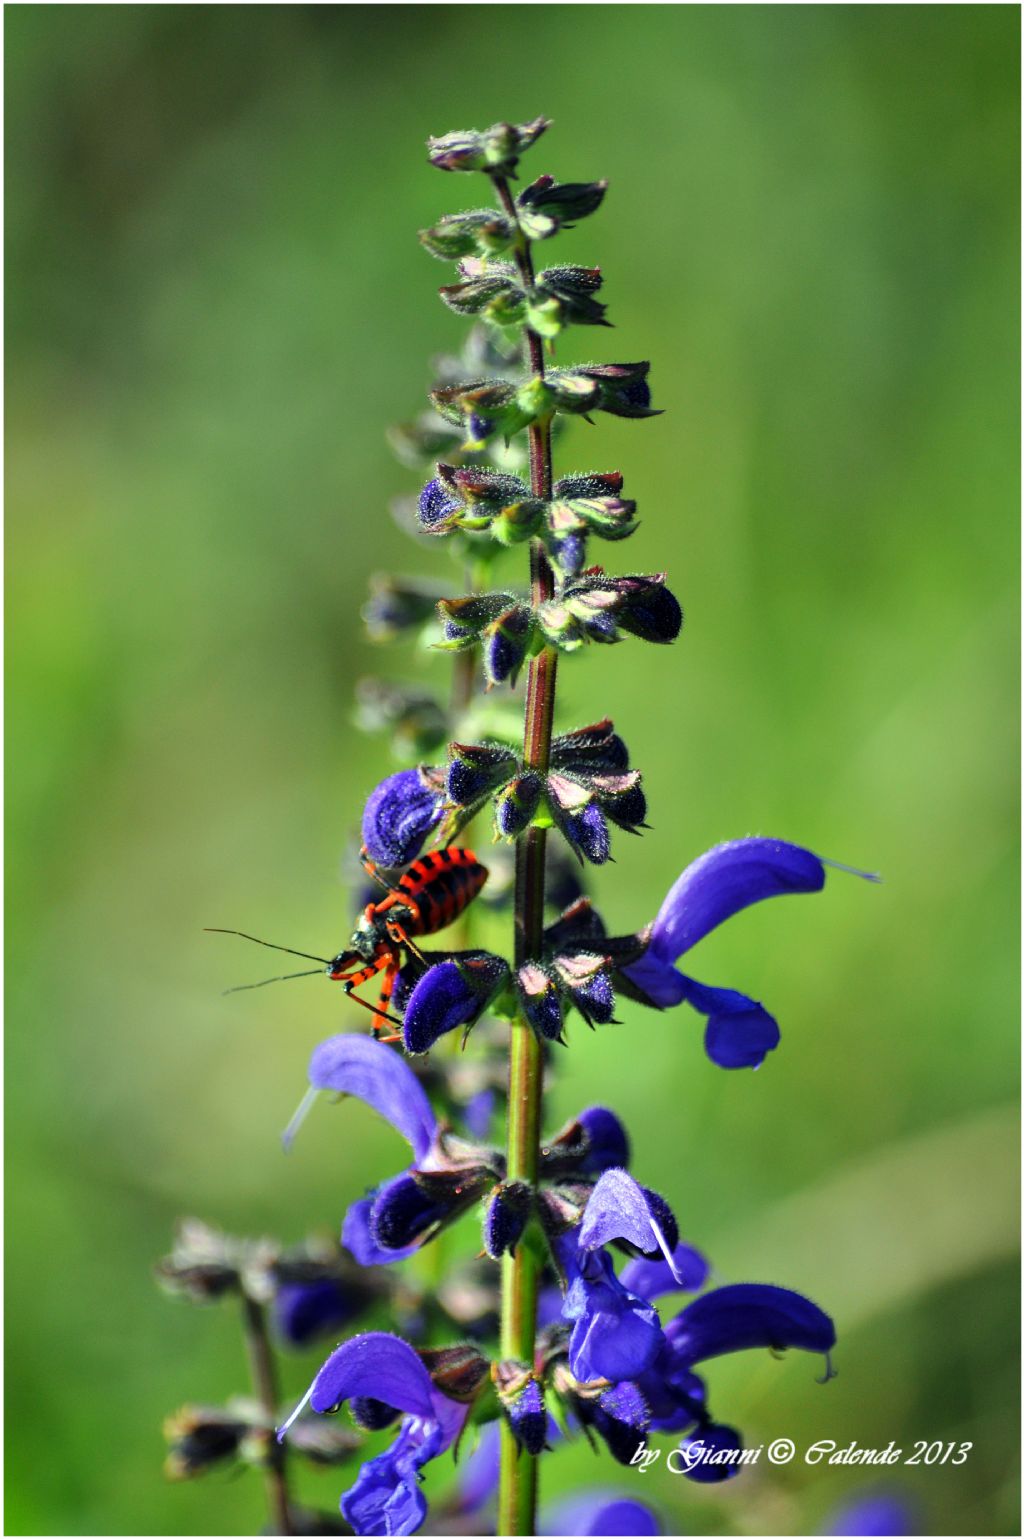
(517, 1501)
(264, 1383)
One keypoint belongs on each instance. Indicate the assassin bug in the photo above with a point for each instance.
(431, 893)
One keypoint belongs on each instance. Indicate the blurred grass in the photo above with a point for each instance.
(215, 305)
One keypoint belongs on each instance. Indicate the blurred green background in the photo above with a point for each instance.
(216, 303)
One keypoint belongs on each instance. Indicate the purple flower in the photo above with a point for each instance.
(616, 1335)
(436, 506)
(730, 877)
(744, 1315)
(386, 1498)
(607, 1142)
(452, 993)
(872, 1513)
(399, 815)
(600, 1513)
(621, 1416)
(688, 1272)
(354, 1065)
(709, 1453)
(620, 1210)
(305, 1310)
(527, 1416)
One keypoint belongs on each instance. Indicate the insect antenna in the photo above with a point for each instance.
(307, 972)
(216, 930)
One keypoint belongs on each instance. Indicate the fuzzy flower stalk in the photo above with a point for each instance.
(556, 1323)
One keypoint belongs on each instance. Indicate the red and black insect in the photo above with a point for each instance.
(432, 892)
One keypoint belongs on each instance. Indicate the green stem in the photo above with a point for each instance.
(264, 1382)
(517, 1499)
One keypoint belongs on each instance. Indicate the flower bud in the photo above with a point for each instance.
(538, 998)
(495, 295)
(621, 798)
(516, 804)
(201, 1436)
(452, 993)
(622, 388)
(585, 978)
(506, 1217)
(477, 769)
(479, 233)
(457, 1371)
(522, 1399)
(399, 814)
(547, 206)
(463, 619)
(506, 643)
(591, 750)
(495, 150)
(204, 1263)
(649, 610)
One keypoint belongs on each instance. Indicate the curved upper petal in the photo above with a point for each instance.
(743, 1315)
(652, 1278)
(619, 1208)
(353, 1064)
(725, 880)
(379, 1365)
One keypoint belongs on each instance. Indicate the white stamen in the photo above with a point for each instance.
(300, 1407)
(665, 1250)
(837, 865)
(298, 1118)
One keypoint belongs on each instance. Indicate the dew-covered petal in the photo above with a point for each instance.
(398, 816)
(743, 1315)
(725, 880)
(379, 1365)
(353, 1064)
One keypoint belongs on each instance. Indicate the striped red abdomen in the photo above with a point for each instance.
(440, 885)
